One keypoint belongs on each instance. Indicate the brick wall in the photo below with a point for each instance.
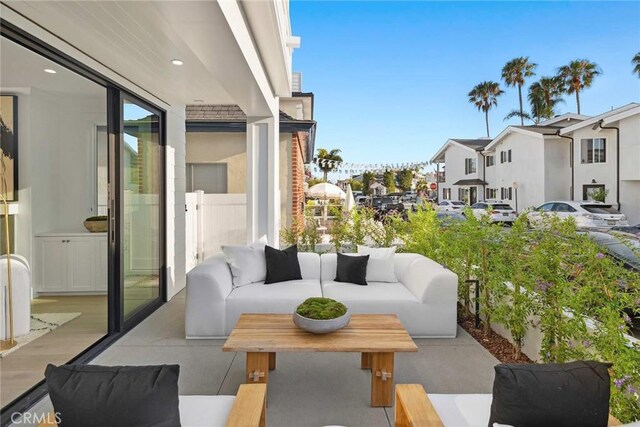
(297, 178)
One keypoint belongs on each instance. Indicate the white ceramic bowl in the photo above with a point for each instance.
(321, 326)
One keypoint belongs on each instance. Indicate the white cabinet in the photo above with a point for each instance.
(70, 263)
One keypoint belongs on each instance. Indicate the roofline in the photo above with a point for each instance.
(446, 145)
(508, 130)
(561, 117)
(595, 119)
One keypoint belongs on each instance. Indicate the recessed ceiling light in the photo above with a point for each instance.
(50, 71)
(176, 62)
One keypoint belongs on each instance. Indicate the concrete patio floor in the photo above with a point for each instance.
(306, 389)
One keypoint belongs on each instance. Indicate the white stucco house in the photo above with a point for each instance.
(463, 164)
(563, 158)
(606, 154)
(528, 165)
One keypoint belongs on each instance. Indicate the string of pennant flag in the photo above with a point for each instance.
(341, 167)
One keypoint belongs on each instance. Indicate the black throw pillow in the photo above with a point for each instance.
(352, 269)
(282, 265)
(554, 394)
(107, 396)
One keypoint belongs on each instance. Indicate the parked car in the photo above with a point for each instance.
(448, 218)
(587, 214)
(450, 206)
(496, 211)
(362, 200)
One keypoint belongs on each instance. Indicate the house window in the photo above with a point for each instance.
(506, 193)
(446, 194)
(208, 177)
(490, 161)
(469, 166)
(509, 156)
(491, 193)
(503, 157)
(593, 150)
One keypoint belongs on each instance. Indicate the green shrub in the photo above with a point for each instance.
(321, 309)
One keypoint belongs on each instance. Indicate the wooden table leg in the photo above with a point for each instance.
(272, 361)
(365, 361)
(257, 367)
(381, 379)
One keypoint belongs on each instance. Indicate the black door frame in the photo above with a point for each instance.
(117, 326)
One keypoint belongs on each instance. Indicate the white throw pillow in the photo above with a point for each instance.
(248, 264)
(380, 267)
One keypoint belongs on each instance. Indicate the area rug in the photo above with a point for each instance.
(41, 324)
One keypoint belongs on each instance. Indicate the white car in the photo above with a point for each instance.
(496, 211)
(587, 214)
(450, 206)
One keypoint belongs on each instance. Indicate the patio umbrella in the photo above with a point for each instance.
(324, 190)
(350, 201)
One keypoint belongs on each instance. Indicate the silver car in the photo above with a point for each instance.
(587, 214)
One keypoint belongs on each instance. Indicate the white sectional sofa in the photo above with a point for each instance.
(424, 298)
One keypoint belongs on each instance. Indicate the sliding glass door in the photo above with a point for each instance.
(142, 185)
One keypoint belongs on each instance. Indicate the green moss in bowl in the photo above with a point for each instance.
(96, 218)
(317, 308)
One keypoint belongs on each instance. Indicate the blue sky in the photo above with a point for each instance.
(391, 78)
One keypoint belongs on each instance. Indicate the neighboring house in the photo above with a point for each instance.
(527, 165)
(216, 151)
(567, 157)
(463, 177)
(606, 155)
(377, 189)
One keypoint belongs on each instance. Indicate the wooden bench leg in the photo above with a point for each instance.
(365, 361)
(381, 379)
(272, 361)
(257, 367)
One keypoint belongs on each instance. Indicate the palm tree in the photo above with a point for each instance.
(578, 75)
(543, 97)
(332, 159)
(514, 73)
(484, 96)
(636, 64)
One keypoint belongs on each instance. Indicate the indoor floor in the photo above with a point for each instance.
(24, 367)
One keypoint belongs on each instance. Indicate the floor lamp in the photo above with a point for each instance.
(10, 342)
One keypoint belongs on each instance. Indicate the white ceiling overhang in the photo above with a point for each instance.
(138, 40)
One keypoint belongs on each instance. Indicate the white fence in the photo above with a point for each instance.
(213, 220)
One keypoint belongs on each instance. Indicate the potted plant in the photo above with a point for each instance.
(321, 315)
(97, 224)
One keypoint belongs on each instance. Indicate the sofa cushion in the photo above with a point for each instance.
(196, 411)
(352, 269)
(375, 291)
(563, 394)
(282, 265)
(381, 267)
(114, 395)
(247, 263)
(298, 290)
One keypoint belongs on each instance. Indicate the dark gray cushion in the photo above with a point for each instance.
(282, 265)
(553, 394)
(352, 269)
(107, 396)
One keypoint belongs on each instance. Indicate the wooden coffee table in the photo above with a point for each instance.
(376, 336)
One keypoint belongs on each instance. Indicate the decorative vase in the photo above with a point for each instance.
(101, 226)
(321, 326)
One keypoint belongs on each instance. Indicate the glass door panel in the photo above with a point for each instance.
(142, 186)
